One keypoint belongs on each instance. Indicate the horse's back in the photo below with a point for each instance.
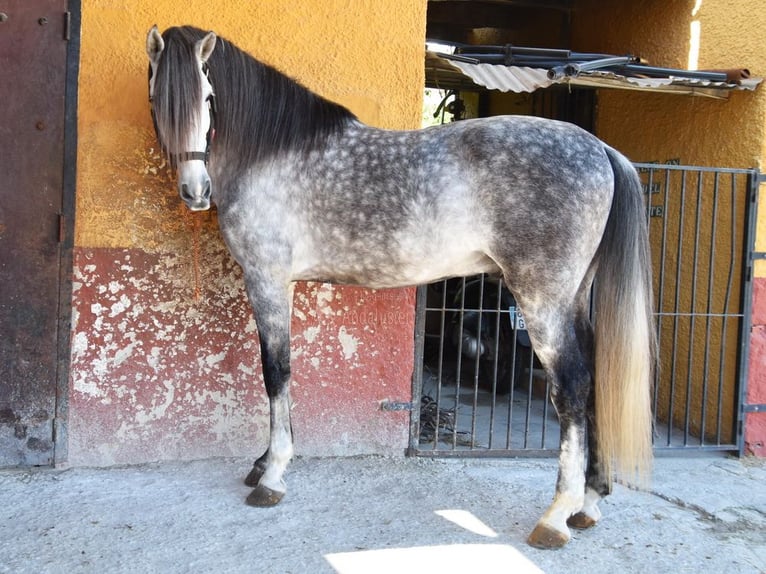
(387, 208)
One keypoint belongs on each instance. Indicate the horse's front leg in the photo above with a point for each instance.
(271, 305)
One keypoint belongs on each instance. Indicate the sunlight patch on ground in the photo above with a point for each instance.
(466, 520)
(484, 558)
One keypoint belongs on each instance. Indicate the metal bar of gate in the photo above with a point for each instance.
(709, 305)
(692, 318)
(751, 219)
(729, 286)
(417, 374)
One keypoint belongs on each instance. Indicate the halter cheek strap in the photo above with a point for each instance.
(190, 155)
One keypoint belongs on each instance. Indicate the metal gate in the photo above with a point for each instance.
(481, 391)
(39, 44)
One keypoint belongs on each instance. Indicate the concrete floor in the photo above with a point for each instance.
(372, 514)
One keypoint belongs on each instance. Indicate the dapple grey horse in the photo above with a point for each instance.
(305, 191)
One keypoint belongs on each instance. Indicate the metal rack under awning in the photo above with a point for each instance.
(521, 69)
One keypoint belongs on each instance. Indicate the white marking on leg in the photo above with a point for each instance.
(571, 485)
(590, 505)
(280, 445)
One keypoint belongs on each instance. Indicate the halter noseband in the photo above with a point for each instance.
(175, 158)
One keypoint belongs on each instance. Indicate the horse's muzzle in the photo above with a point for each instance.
(196, 195)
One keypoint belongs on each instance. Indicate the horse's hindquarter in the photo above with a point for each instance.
(549, 186)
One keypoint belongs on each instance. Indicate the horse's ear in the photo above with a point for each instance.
(205, 46)
(154, 44)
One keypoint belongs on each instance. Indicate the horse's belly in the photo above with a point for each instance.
(447, 264)
(393, 266)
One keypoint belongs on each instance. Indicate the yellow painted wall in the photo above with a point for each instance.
(698, 131)
(365, 54)
(669, 126)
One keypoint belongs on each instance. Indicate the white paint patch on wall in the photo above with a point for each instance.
(212, 360)
(325, 298)
(120, 306)
(348, 343)
(310, 334)
(298, 314)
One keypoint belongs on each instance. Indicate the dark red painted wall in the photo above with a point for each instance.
(165, 363)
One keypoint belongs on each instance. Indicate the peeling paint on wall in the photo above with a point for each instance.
(344, 368)
(348, 342)
(160, 374)
(152, 375)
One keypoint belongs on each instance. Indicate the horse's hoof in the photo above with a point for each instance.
(254, 477)
(264, 496)
(581, 521)
(546, 537)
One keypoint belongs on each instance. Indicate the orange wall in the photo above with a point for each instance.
(165, 357)
(365, 54)
(697, 130)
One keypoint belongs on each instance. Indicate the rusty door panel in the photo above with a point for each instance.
(33, 55)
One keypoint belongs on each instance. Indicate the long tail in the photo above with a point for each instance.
(625, 344)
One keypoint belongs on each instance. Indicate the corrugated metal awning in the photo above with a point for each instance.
(445, 71)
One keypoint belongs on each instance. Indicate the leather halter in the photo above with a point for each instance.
(175, 158)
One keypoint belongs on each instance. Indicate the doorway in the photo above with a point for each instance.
(39, 53)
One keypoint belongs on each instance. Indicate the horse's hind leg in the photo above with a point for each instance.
(556, 342)
(271, 305)
(597, 483)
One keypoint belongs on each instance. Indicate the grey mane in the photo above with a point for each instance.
(261, 112)
(176, 96)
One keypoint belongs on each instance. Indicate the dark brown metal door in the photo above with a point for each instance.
(33, 58)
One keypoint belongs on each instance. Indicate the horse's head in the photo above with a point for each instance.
(183, 108)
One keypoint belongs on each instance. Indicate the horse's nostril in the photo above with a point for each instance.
(208, 190)
(185, 192)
